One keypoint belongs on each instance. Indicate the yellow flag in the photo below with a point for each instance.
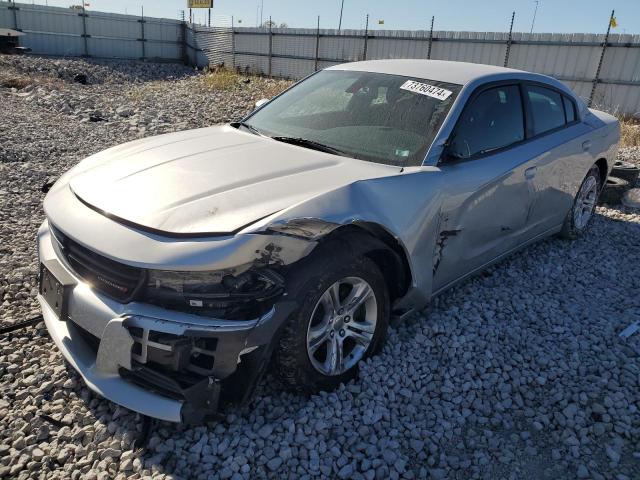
(613, 22)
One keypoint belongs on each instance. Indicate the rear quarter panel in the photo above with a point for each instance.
(605, 138)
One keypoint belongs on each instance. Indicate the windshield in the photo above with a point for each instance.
(380, 118)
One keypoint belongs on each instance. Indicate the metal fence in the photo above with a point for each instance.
(603, 68)
(76, 32)
(572, 58)
(210, 45)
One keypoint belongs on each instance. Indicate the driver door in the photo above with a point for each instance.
(488, 189)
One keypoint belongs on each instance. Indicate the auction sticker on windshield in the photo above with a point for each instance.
(426, 89)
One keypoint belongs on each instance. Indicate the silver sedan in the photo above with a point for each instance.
(174, 268)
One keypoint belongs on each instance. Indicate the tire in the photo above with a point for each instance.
(626, 171)
(309, 284)
(631, 198)
(613, 191)
(579, 217)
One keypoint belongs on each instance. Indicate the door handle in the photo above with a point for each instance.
(586, 145)
(530, 172)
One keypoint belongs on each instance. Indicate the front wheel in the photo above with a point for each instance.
(581, 213)
(342, 319)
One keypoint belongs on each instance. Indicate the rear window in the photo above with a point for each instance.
(547, 108)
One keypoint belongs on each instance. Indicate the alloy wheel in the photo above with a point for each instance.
(585, 202)
(342, 326)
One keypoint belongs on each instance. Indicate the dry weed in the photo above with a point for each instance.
(220, 79)
(629, 133)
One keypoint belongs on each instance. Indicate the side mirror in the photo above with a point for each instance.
(261, 102)
(448, 155)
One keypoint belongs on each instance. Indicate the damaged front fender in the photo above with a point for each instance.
(312, 229)
(407, 221)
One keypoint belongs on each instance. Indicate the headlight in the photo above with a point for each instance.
(221, 294)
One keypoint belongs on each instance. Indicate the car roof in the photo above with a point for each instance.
(440, 70)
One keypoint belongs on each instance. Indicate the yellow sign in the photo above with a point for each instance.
(200, 3)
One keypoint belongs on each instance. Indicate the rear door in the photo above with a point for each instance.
(560, 142)
(488, 178)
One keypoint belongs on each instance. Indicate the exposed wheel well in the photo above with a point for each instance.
(601, 163)
(385, 251)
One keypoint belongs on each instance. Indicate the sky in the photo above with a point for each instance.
(556, 16)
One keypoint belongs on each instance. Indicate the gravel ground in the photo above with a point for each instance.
(518, 373)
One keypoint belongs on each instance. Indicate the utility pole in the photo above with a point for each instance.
(537, 2)
(261, 10)
(341, 9)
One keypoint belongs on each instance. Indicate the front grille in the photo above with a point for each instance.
(118, 281)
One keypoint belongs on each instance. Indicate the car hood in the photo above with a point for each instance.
(212, 180)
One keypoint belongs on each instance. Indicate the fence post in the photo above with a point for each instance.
(84, 30)
(14, 9)
(233, 45)
(142, 39)
(430, 37)
(604, 47)
(506, 55)
(366, 36)
(315, 68)
(270, 45)
(183, 31)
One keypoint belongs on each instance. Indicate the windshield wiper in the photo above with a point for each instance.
(249, 127)
(312, 144)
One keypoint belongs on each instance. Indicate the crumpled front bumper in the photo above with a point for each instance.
(109, 344)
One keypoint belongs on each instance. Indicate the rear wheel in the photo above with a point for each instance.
(584, 204)
(342, 319)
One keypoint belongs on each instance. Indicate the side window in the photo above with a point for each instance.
(547, 109)
(492, 120)
(569, 109)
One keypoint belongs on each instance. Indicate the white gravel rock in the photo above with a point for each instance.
(516, 373)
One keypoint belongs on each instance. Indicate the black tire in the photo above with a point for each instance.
(613, 190)
(570, 229)
(306, 284)
(626, 171)
(631, 198)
